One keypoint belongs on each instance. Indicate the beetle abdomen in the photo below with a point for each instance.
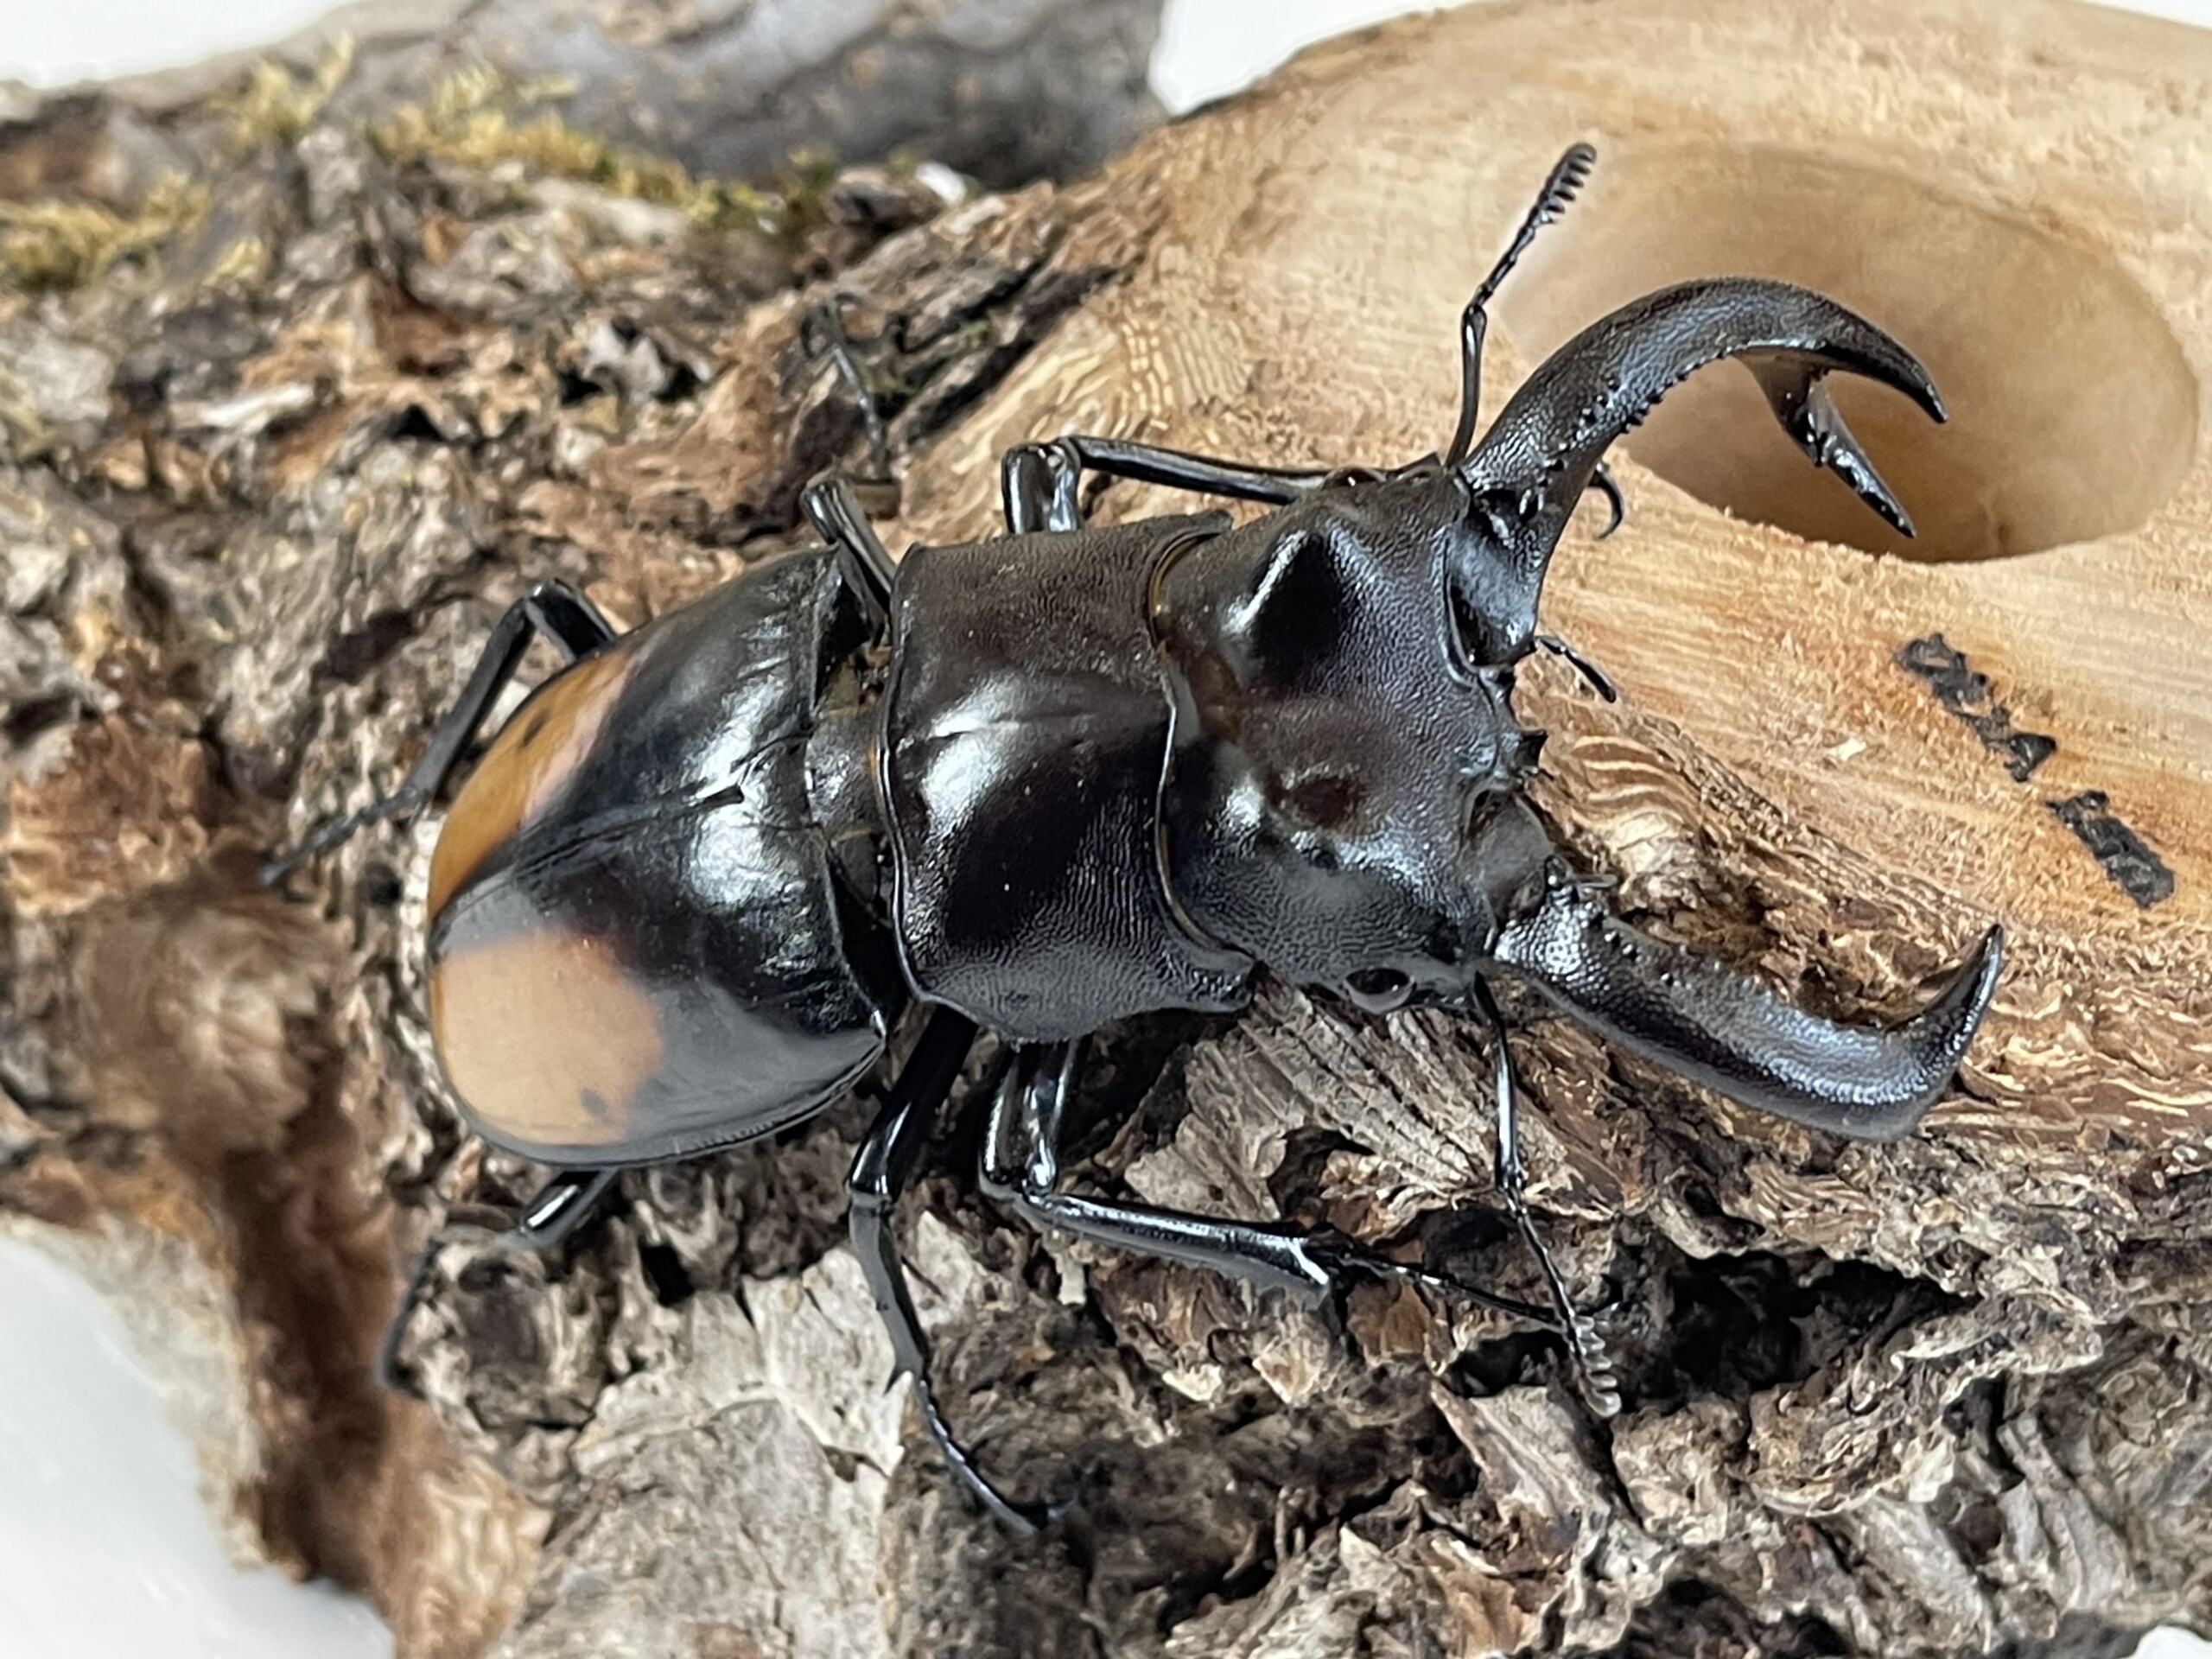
(638, 948)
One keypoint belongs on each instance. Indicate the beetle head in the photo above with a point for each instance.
(1341, 800)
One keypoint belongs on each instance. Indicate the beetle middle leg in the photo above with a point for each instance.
(1021, 1169)
(552, 609)
(880, 1170)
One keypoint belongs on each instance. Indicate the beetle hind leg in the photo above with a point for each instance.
(562, 1204)
(551, 608)
(880, 1169)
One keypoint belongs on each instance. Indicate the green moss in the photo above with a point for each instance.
(276, 106)
(55, 245)
(477, 119)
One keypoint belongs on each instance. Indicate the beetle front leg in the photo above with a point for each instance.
(552, 609)
(1021, 1169)
(1146, 463)
(880, 1169)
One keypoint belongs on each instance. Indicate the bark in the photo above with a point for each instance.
(1943, 1396)
(1007, 91)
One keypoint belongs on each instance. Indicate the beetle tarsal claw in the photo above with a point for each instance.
(1023, 1518)
(336, 832)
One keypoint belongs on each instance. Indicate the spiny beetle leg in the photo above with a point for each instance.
(552, 609)
(829, 317)
(1601, 1387)
(1589, 670)
(563, 1204)
(1021, 1169)
(880, 1169)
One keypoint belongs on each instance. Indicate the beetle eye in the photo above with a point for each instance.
(1378, 990)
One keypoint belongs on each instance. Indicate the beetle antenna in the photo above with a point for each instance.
(1568, 177)
(1585, 1346)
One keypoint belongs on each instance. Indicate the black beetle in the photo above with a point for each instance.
(1039, 784)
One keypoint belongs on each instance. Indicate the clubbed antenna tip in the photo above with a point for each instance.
(1569, 174)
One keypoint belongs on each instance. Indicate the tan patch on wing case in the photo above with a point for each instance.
(535, 753)
(546, 1037)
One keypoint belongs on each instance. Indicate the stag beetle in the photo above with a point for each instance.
(1029, 786)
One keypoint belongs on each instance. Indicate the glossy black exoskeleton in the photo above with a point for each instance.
(1039, 784)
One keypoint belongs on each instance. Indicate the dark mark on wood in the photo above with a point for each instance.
(2136, 870)
(2122, 854)
(1968, 694)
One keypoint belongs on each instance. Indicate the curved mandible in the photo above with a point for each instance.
(1540, 454)
(1713, 1026)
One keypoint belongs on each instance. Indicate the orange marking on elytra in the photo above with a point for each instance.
(546, 1036)
(528, 763)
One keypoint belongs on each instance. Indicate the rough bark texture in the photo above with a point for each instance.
(1940, 1397)
(1004, 89)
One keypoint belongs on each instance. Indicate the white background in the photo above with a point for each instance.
(105, 1552)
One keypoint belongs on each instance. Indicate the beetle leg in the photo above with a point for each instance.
(830, 318)
(1179, 469)
(1589, 670)
(1021, 1169)
(1600, 1386)
(552, 609)
(386, 1370)
(831, 502)
(880, 1171)
(563, 1204)
(1037, 484)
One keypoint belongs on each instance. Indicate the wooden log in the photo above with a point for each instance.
(1940, 1397)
